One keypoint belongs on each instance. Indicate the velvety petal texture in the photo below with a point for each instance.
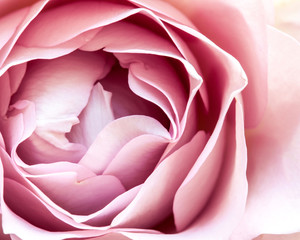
(273, 148)
(149, 120)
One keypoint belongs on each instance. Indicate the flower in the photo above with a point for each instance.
(148, 120)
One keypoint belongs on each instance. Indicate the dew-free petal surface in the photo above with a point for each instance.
(273, 204)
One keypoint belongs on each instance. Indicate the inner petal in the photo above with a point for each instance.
(60, 89)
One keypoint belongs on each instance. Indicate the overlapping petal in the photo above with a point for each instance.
(273, 148)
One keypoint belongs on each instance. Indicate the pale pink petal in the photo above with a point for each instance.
(67, 80)
(227, 203)
(126, 36)
(10, 82)
(287, 17)
(58, 167)
(9, 24)
(209, 163)
(115, 135)
(4, 93)
(242, 18)
(19, 175)
(273, 204)
(36, 150)
(293, 236)
(28, 193)
(105, 215)
(95, 116)
(137, 159)
(194, 119)
(154, 201)
(60, 24)
(8, 6)
(16, 74)
(19, 125)
(34, 212)
(79, 197)
(20, 54)
(111, 236)
(149, 77)
(125, 102)
(161, 8)
(117, 38)
(212, 171)
(30, 13)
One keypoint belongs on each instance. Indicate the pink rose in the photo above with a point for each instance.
(148, 120)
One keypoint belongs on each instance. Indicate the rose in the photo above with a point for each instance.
(165, 101)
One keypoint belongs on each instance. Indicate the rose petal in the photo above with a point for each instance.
(30, 13)
(47, 30)
(160, 187)
(294, 236)
(34, 211)
(19, 125)
(115, 135)
(287, 17)
(51, 83)
(125, 102)
(136, 160)
(105, 215)
(10, 82)
(149, 77)
(95, 116)
(226, 206)
(9, 24)
(273, 204)
(242, 18)
(82, 198)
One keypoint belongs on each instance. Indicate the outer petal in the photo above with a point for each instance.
(242, 26)
(227, 203)
(273, 204)
(24, 16)
(287, 17)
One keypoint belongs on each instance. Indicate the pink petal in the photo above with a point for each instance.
(227, 203)
(58, 167)
(95, 116)
(149, 77)
(47, 30)
(84, 197)
(136, 160)
(36, 150)
(30, 13)
(19, 125)
(51, 83)
(242, 18)
(20, 54)
(4, 93)
(161, 8)
(273, 204)
(287, 17)
(131, 37)
(125, 102)
(293, 236)
(115, 135)
(14, 224)
(227, 74)
(9, 24)
(154, 201)
(212, 177)
(105, 215)
(10, 82)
